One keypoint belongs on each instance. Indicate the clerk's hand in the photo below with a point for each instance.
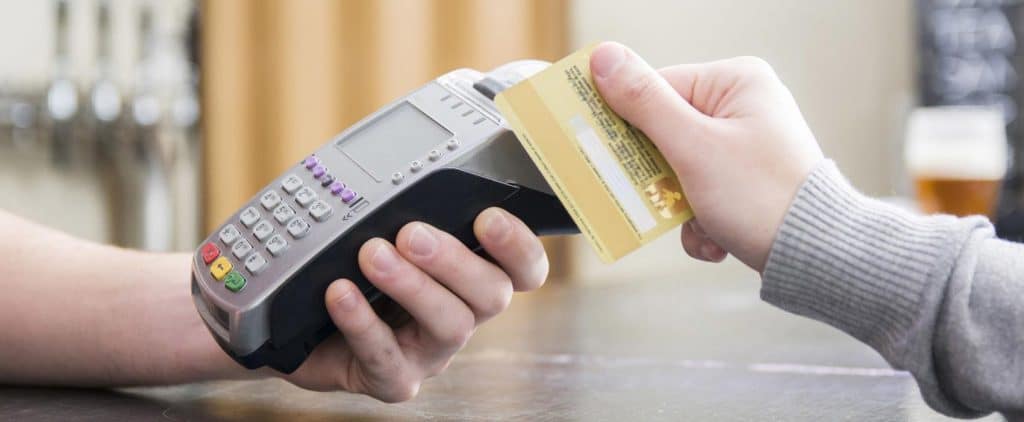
(448, 291)
(733, 134)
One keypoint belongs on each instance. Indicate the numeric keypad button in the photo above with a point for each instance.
(229, 234)
(277, 245)
(220, 268)
(241, 248)
(291, 183)
(255, 263)
(283, 213)
(298, 227)
(249, 216)
(263, 230)
(269, 200)
(320, 210)
(305, 196)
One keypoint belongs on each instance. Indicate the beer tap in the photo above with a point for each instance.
(105, 99)
(6, 128)
(62, 96)
(155, 213)
(181, 129)
(22, 118)
(113, 156)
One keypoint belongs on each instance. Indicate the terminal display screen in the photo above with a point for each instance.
(393, 139)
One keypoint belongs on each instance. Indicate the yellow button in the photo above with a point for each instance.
(220, 268)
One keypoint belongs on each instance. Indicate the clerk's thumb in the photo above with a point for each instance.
(644, 98)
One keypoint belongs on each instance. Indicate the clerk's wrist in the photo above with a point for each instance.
(208, 360)
(196, 356)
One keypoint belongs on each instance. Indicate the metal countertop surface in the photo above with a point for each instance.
(700, 347)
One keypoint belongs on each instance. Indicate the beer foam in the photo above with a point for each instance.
(958, 160)
(956, 143)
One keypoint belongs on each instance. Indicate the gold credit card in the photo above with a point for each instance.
(615, 184)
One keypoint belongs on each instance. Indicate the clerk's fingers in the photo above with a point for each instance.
(383, 370)
(514, 246)
(445, 320)
(484, 287)
(698, 245)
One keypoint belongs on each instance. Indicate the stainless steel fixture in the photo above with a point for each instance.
(104, 141)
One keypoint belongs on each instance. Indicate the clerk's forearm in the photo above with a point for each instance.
(83, 314)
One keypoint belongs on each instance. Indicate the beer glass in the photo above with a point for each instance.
(957, 157)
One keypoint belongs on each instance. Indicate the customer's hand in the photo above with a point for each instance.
(733, 134)
(447, 289)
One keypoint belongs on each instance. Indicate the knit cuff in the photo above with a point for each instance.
(858, 264)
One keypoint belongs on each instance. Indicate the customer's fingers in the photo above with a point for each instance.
(691, 241)
(718, 88)
(712, 251)
(640, 95)
(444, 319)
(510, 242)
(481, 285)
(698, 245)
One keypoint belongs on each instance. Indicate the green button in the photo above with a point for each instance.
(234, 281)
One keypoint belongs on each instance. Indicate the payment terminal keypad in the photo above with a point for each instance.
(294, 207)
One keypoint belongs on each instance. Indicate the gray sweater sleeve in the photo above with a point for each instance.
(937, 296)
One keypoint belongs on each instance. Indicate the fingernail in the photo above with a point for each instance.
(705, 251)
(421, 241)
(606, 58)
(496, 225)
(347, 302)
(384, 259)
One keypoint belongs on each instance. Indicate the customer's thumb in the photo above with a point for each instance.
(644, 98)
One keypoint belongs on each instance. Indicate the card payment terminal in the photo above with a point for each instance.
(441, 155)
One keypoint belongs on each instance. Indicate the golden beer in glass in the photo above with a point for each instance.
(957, 157)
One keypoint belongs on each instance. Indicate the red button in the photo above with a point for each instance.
(210, 253)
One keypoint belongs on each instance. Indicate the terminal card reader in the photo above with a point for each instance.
(441, 155)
